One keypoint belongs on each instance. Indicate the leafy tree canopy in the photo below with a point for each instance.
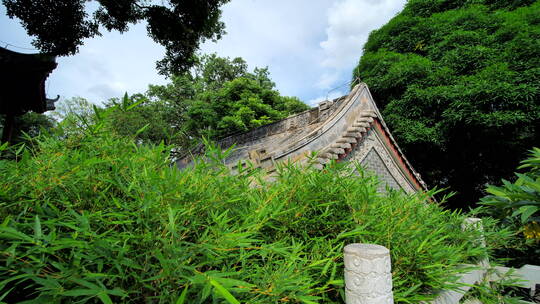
(60, 27)
(219, 96)
(459, 85)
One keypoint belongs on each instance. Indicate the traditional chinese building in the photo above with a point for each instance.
(349, 128)
(22, 86)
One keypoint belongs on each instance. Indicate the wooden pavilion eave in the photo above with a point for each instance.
(22, 85)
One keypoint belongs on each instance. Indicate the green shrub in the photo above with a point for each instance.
(517, 205)
(93, 217)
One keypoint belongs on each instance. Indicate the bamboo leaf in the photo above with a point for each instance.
(183, 295)
(224, 292)
(104, 297)
(10, 233)
(37, 228)
(526, 212)
(80, 292)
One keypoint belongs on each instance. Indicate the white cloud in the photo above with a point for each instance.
(310, 46)
(349, 25)
(281, 34)
(331, 95)
(109, 66)
(327, 80)
(107, 90)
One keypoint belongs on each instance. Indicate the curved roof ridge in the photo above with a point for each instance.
(334, 128)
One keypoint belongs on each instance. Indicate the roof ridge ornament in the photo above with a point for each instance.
(50, 103)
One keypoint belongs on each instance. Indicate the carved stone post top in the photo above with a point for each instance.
(368, 276)
(472, 223)
(366, 250)
(472, 220)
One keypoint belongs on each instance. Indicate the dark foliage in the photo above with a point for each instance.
(30, 124)
(459, 85)
(517, 205)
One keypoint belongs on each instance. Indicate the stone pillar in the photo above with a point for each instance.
(368, 276)
(471, 223)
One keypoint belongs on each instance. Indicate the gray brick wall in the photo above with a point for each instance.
(373, 163)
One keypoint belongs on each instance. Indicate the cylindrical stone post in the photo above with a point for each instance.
(368, 276)
(476, 223)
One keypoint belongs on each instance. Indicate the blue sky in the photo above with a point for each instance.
(310, 47)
